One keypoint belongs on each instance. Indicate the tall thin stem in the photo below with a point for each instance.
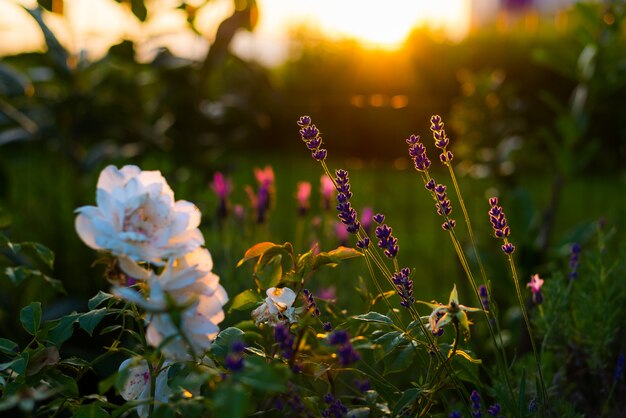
(544, 392)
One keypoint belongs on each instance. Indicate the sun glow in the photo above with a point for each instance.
(373, 23)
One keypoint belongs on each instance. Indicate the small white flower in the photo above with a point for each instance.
(136, 217)
(189, 283)
(277, 307)
(137, 385)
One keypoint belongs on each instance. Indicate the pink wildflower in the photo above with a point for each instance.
(535, 284)
(302, 196)
(328, 191)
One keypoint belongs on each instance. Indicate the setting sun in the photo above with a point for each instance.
(370, 23)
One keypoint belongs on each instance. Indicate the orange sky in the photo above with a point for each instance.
(96, 24)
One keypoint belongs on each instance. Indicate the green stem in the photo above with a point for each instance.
(520, 299)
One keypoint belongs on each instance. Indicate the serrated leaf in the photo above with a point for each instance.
(245, 300)
(222, 344)
(91, 411)
(30, 316)
(97, 300)
(90, 320)
(8, 346)
(374, 317)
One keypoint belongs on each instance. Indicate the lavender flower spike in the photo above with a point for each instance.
(417, 152)
(311, 136)
(500, 228)
(347, 214)
(441, 139)
(404, 287)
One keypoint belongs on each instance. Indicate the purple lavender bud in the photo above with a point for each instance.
(448, 225)
(404, 287)
(438, 333)
(493, 201)
(476, 404)
(436, 123)
(339, 337)
(619, 368)
(285, 340)
(314, 144)
(454, 414)
(532, 405)
(574, 261)
(234, 363)
(494, 410)
(238, 347)
(327, 326)
(430, 185)
(319, 155)
(304, 120)
(379, 218)
(311, 306)
(362, 385)
(309, 132)
(363, 243)
(347, 355)
(329, 398)
(413, 139)
(484, 296)
(508, 248)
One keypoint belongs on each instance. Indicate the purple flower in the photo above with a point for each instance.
(404, 287)
(417, 152)
(285, 340)
(234, 360)
(441, 139)
(345, 352)
(379, 218)
(387, 241)
(347, 214)
(311, 136)
(311, 306)
(619, 368)
(454, 414)
(476, 404)
(363, 243)
(574, 261)
(500, 228)
(483, 292)
(494, 410)
(222, 187)
(335, 407)
(362, 385)
(327, 326)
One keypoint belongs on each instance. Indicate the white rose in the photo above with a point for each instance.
(136, 217)
(277, 307)
(189, 282)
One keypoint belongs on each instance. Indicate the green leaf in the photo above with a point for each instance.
(18, 364)
(8, 346)
(255, 251)
(270, 275)
(30, 316)
(231, 400)
(374, 317)
(332, 258)
(45, 254)
(259, 375)
(97, 300)
(406, 400)
(387, 343)
(63, 330)
(90, 320)
(245, 300)
(221, 346)
(91, 411)
(399, 361)
(64, 384)
(16, 274)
